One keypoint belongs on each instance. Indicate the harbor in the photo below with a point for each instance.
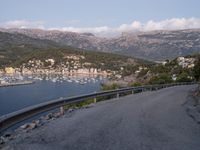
(19, 79)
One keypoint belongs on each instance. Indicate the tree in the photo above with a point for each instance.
(161, 79)
(183, 77)
(196, 70)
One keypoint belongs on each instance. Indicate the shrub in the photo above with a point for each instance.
(161, 79)
(196, 70)
(134, 84)
(142, 73)
(160, 69)
(112, 86)
(183, 77)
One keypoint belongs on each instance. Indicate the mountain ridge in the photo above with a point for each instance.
(152, 45)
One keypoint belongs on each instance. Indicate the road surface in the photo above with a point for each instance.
(145, 121)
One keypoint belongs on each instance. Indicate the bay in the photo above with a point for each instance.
(18, 97)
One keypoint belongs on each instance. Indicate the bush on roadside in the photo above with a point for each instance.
(78, 104)
(163, 78)
(113, 86)
(183, 77)
(196, 70)
(134, 84)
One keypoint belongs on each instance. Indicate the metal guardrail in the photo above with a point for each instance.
(11, 119)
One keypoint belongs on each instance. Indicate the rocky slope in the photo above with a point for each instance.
(155, 45)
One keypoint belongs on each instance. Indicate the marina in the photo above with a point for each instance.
(18, 79)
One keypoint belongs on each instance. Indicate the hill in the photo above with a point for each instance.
(14, 46)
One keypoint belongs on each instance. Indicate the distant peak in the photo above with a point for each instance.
(87, 34)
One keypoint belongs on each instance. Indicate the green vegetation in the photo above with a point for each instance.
(79, 104)
(162, 74)
(163, 78)
(97, 59)
(134, 84)
(159, 68)
(129, 70)
(183, 77)
(142, 73)
(196, 70)
(113, 86)
(16, 46)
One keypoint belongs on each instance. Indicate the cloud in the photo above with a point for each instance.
(91, 29)
(172, 24)
(99, 31)
(135, 26)
(168, 24)
(23, 24)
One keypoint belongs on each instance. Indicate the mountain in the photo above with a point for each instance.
(154, 45)
(159, 45)
(83, 41)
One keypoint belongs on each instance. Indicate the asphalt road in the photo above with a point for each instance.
(146, 121)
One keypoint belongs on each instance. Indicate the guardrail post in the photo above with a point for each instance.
(95, 100)
(62, 110)
(132, 92)
(117, 95)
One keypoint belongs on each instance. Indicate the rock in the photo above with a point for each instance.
(25, 126)
(11, 137)
(49, 116)
(7, 134)
(32, 126)
(57, 115)
(37, 122)
(70, 110)
(2, 140)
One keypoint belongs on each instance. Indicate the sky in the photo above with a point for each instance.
(101, 17)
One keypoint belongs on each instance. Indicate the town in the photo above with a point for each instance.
(77, 70)
(71, 70)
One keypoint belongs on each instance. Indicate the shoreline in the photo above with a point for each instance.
(17, 84)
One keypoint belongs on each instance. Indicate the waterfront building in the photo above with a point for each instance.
(9, 70)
